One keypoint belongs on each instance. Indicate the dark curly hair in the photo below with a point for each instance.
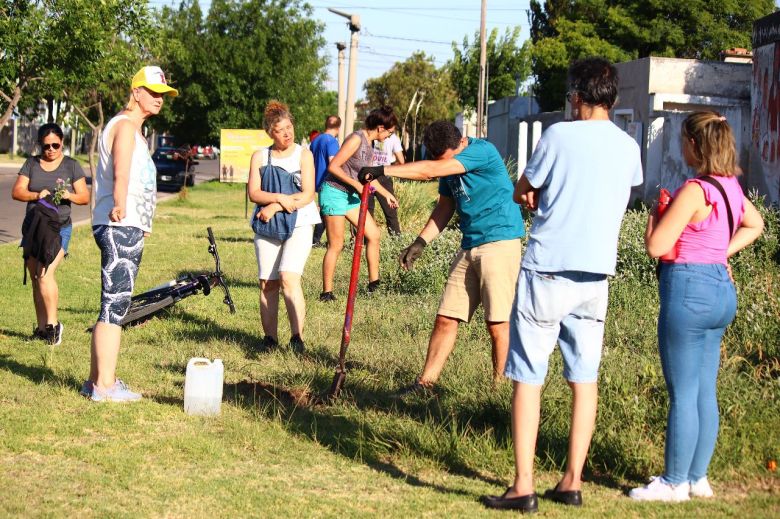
(441, 136)
(595, 80)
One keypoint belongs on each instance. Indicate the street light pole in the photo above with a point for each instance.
(354, 28)
(482, 60)
(342, 90)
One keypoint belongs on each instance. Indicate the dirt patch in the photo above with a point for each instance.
(256, 393)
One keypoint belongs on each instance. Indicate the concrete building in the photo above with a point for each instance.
(764, 173)
(655, 96)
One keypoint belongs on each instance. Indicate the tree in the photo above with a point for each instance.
(75, 52)
(24, 35)
(109, 49)
(228, 65)
(565, 30)
(419, 92)
(507, 64)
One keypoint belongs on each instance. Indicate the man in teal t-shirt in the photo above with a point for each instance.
(473, 181)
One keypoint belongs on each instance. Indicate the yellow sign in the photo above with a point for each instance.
(236, 149)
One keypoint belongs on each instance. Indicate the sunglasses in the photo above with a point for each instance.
(52, 146)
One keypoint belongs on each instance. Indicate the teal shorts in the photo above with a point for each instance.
(334, 202)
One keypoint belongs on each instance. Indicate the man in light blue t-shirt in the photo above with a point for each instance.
(578, 180)
(324, 147)
(473, 181)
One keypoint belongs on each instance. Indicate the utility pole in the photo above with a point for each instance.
(342, 90)
(354, 28)
(482, 60)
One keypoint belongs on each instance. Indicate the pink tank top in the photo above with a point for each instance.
(708, 240)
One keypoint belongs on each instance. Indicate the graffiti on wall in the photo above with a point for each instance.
(765, 121)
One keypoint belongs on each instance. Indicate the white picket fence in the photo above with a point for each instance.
(523, 151)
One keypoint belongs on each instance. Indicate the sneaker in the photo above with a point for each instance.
(119, 392)
(38, 333)
(327, 297)
(373, 286)
(297, 345)
(417, 389)
(53, 333)
(660, 490)
(701, 488)
(86, 389)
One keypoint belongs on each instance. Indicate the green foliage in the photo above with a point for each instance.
(507, 62)
(368, 454)
(419, 92)
(243, 54)
(82, 47)
(619, 30)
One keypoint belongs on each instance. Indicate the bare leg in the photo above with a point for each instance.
(50, 292)
(525, 426)
(440, 345)
(334, 226)
(372, 236)
(40, 307)
(105, 352)
(294, 301)
(499, 336)
(269, 306)
(583, 419)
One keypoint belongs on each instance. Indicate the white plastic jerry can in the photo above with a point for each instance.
(203, 387)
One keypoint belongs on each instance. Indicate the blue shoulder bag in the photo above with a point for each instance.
(274, 179)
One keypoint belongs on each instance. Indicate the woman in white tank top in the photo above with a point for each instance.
(280, 263)
(125, 198)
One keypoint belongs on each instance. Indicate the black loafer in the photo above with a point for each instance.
(566, 497)
(526, 504)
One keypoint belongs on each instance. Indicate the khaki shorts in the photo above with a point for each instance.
(486, 274)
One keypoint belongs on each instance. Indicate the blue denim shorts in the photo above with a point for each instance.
(334, 202)
(65, 234)
(565, 307)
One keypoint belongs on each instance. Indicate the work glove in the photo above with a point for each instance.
(410, 254)
(369, 173)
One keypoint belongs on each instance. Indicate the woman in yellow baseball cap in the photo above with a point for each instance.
(125, 190)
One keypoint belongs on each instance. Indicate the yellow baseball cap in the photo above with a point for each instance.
(153, 78)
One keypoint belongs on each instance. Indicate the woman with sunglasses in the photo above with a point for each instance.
(42, 175)
(340, 196)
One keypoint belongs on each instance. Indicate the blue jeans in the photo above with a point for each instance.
(698, 301)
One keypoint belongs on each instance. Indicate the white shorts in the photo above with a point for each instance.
(274, 256)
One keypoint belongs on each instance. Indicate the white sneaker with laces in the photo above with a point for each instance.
(119, 392)
(701, 488)
(660, 490)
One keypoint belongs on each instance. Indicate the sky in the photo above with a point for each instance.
(392, 30)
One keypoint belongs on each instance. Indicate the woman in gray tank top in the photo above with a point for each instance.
(340, 199)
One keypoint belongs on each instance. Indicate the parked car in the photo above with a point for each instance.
(175, 167)
(205, 152)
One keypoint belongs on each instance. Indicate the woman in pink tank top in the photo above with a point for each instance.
(708, 221)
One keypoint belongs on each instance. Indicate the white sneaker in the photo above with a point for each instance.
(119, 392)
(660, 490)
(701, 488)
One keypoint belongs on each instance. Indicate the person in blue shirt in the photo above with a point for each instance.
(579, 181)
(473, 181)
(324, 147)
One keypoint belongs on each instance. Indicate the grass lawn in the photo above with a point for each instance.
(271, 454)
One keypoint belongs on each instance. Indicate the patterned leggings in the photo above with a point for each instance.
(120, 256)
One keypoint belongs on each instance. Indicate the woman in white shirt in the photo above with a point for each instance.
(281, 262)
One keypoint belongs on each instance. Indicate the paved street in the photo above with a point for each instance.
(12, 212)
